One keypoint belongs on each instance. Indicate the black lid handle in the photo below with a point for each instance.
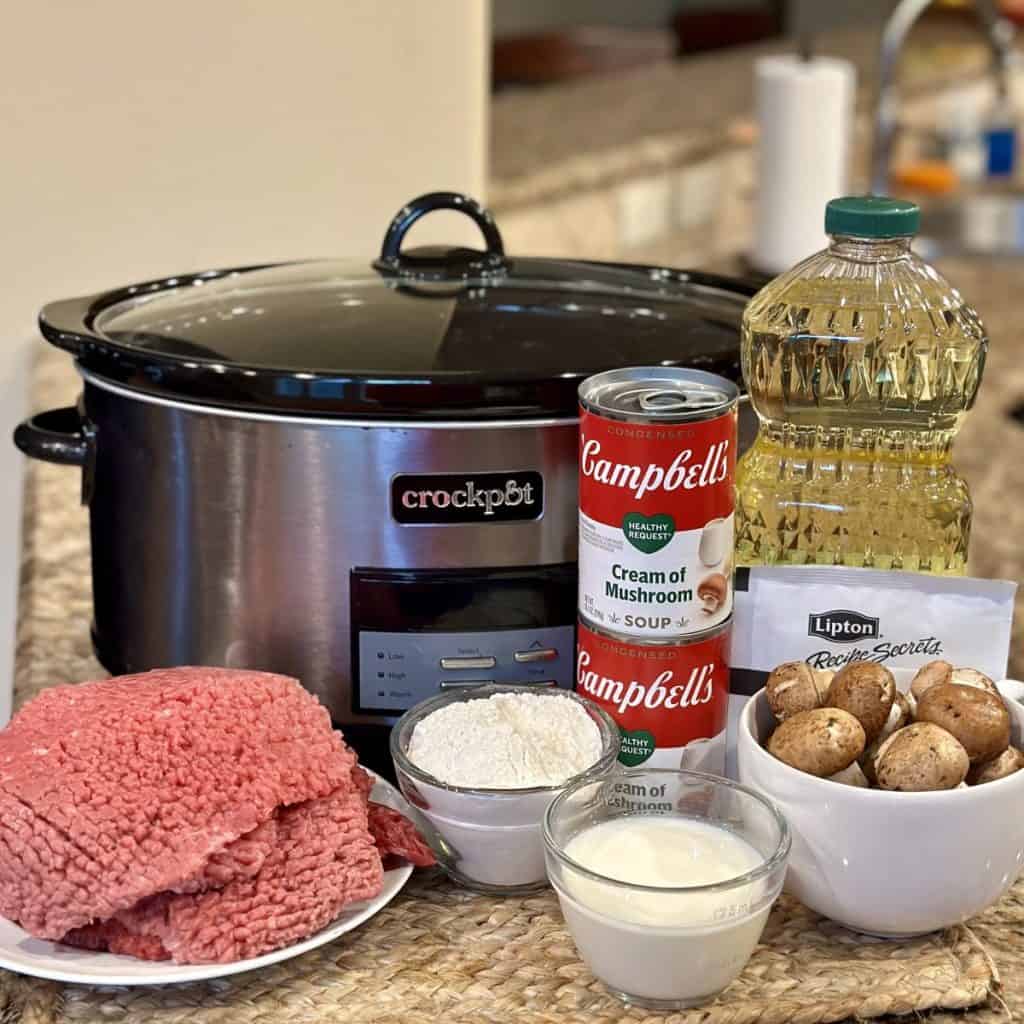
(391, 258)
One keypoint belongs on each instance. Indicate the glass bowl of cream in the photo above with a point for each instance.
(482, 764)
(665, 879)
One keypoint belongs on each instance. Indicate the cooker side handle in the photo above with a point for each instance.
(58, 435)
(63, 437)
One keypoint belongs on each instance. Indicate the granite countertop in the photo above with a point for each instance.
(550, 141)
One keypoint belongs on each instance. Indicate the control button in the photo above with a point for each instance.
(457, 663)
(543, 654)
(461, 684)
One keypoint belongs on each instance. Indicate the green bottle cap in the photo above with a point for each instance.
(871, 217)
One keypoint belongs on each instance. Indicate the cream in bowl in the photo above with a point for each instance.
(483, 763)
(939, 842)
(665, 879)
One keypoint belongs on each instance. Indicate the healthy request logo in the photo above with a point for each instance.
(842, 626)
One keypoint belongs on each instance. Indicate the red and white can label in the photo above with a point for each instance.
(656, 524)
(670, 701)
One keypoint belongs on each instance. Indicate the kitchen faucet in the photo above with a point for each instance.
(999, 33)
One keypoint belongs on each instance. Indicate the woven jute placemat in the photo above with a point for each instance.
(440, 953)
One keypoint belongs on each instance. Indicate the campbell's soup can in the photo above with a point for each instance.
(657, 476)
(670, 699)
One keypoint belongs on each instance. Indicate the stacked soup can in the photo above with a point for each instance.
(657, 469)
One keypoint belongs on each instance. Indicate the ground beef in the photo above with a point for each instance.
(363, 781)
(241, 859)
(114, 791)
(113, 937)
(324, 859)
(396, 837)
(199, 815)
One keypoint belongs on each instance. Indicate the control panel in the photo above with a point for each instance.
(416, 633)
(397, 670)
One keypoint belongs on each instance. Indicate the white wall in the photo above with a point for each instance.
(143, 138)
(140, 139)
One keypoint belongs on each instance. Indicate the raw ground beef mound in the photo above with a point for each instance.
(324, 859)
(199, 814)
(115, 790)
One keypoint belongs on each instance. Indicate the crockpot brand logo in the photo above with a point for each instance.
(448, 498)
(842, 626)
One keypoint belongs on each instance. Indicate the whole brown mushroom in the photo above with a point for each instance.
(821, 742)
(931, 674)
(791, 688)
(867, 690)
(972, 677)
(977, 718)
(900, 715)
(1009, 761)
(920, 758)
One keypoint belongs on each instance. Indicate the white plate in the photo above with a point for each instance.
(41, 959)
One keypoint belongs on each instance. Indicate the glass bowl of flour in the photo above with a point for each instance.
(482, 765)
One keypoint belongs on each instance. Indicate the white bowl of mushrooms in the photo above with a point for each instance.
(903, 789)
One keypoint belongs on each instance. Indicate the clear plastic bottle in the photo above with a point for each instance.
(861, 363)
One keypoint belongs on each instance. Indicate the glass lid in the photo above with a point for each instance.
(432, 333)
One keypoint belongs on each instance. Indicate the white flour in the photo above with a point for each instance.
(506, 741)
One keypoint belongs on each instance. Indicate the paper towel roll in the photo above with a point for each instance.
(805, 111)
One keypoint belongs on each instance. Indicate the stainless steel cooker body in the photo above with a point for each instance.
(359, 474)
(229, 538)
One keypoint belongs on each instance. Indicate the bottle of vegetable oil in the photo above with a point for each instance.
(860, 362)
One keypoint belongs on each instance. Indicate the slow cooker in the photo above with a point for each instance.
(362, 475)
